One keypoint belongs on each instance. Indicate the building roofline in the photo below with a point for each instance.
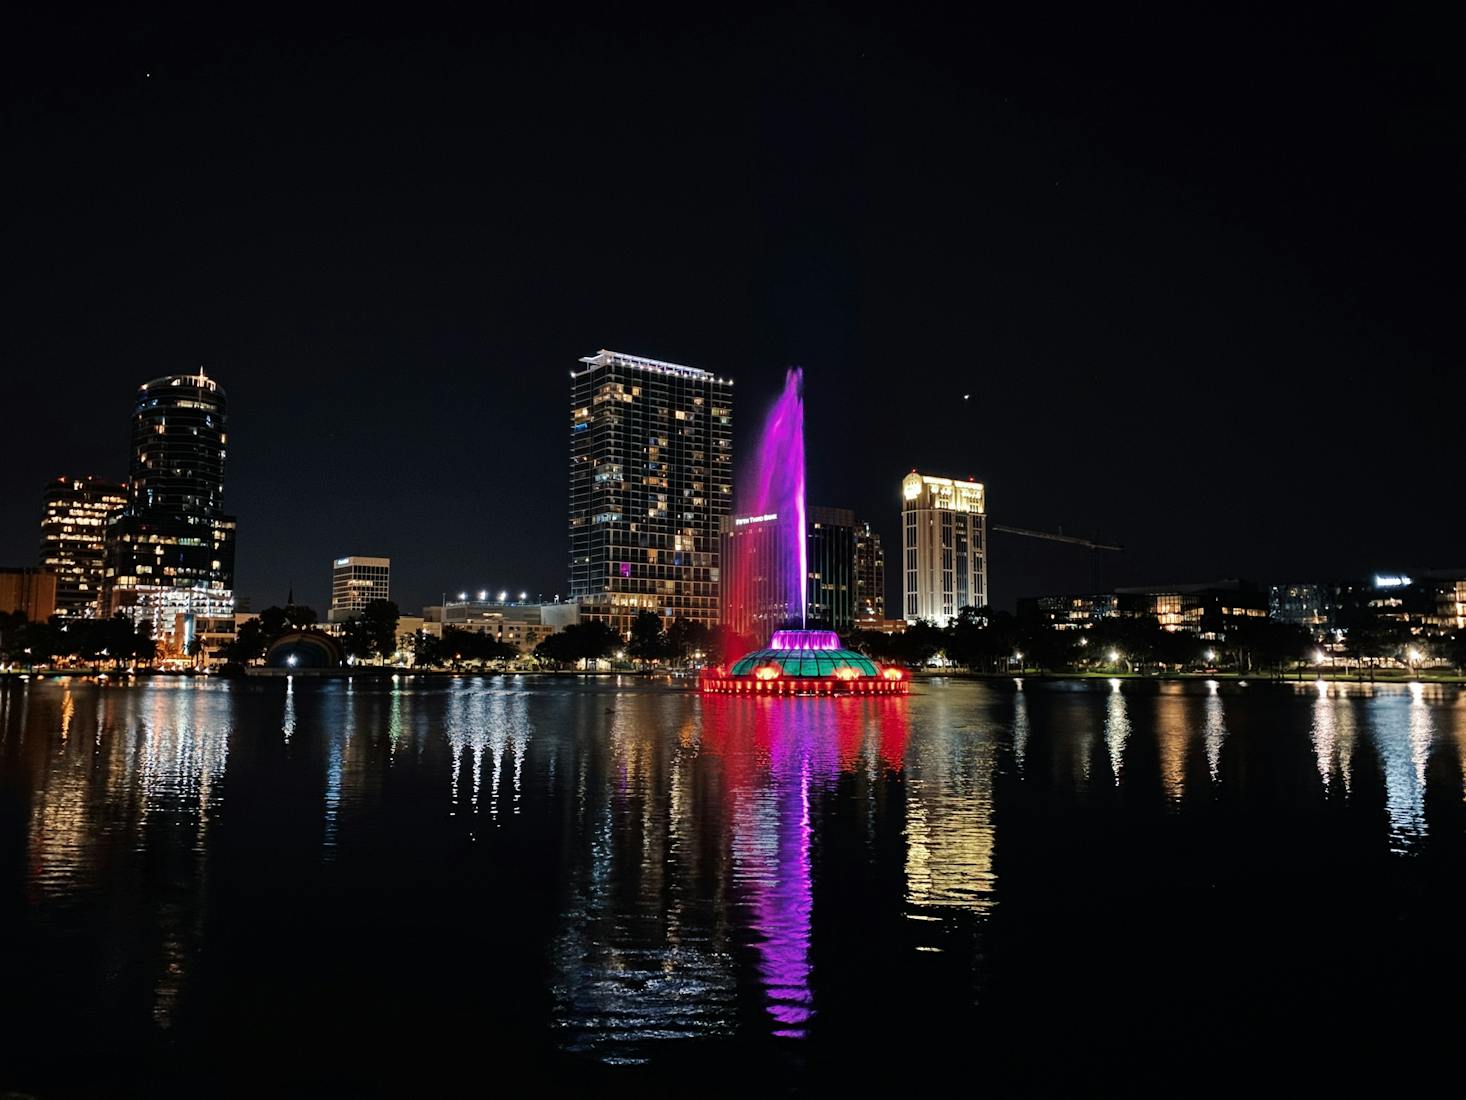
(606, 358)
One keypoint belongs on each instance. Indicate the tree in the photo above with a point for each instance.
(373, 632)
(691, 641)
(579, 642)
(648, 641)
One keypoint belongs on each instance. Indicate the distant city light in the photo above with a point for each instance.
(503, 596)
(1319, 656)
(523, 596)
(1210, 656)
(484, 594)
(290, 660)
(1114, 655)
(1390, 580)
(463, 595)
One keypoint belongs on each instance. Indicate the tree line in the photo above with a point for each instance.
(115, 641)
(985, 640)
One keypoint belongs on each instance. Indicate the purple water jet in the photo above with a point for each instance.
(775, 487)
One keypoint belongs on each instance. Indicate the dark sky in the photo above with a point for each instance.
(1201, 275)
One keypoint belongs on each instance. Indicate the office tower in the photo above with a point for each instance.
(651, 477)
(73, 540)
(355, 582)
(756, 556)
(870, 574)
(943, 542)
(754, 600)
(170, 552)
(830, 585)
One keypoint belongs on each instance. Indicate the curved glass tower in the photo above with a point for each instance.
(170, 552)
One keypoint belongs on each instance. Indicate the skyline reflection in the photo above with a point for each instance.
(640, 867)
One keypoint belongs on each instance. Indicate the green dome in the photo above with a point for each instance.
(805, 662)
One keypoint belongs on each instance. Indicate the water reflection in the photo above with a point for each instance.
(687, 868)
(1117, 728)
(1215, 726)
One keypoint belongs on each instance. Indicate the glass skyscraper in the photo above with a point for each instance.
(170, 552)
(651, 476)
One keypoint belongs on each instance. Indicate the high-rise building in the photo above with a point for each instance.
(830, 558)
(74, 523)
(756, 555)
(943, 543)
(355, 582)
(651, 476)
(170, 551)
(870, 574)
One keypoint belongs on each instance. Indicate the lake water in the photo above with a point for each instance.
(368, 887)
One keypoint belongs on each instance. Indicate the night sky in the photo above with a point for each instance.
(1201, 276)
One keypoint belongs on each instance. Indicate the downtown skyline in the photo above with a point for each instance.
(1153, 354)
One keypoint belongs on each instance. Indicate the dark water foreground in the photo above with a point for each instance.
(498, 886)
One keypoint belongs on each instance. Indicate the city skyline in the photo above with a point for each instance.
(1013, 261)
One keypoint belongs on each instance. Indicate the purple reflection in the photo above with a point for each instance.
(772, 853)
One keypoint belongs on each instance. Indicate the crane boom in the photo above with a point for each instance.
(1053, 537)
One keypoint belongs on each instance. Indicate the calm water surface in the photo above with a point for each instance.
(278, 888)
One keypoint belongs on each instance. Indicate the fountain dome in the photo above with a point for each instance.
(806, 662)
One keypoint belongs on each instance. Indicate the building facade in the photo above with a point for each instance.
(74, 520)
(170, 551)
(944, 547)
(355, 582)
(830, 583)
(651, 478)
(756, 557)
(870, 575)
(30, 592)
(1210, 611)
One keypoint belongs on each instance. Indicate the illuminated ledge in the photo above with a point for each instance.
(604, 358)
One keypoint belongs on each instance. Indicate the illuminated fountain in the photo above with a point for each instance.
(765, 571)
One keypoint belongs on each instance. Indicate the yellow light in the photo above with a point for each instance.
(767, 672)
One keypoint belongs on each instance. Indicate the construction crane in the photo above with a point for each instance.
(1053, 537)
(1072, 540)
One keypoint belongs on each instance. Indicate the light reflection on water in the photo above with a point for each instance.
(705, 858)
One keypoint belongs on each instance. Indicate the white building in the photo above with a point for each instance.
(944, 546)
(355, 582)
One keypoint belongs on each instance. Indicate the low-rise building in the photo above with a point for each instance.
(31, 592)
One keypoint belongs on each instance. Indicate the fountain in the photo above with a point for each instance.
(766, 577)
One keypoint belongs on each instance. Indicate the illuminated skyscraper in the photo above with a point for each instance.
(943, 546)
(170, 553)
(357, 581)
(756, 550)
(651, 476)
(870, 574)
(73, 540)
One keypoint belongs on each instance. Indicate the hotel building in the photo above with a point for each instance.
(944, 546)
(651, 477)
(74, 523)
(355, 582)
(170, 551)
